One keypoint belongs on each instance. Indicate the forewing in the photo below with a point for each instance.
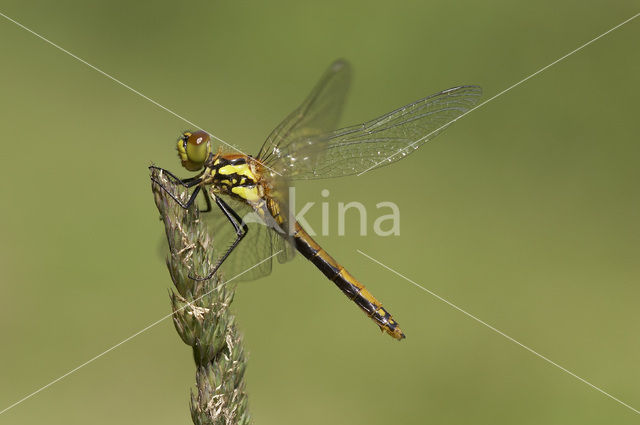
(376, 143)
(318, 114)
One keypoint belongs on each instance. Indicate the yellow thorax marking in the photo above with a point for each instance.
(241, 169)
(249, 193)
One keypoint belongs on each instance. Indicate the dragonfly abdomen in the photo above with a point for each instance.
(347, 283)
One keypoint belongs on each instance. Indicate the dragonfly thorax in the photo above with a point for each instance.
(194, 148)
(235, 175)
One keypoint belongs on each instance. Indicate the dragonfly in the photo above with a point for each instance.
(252, 192)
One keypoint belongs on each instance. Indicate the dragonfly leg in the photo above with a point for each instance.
(176, 179)
(207, 199)
(184, 205)
(241, 231)
(190, 182)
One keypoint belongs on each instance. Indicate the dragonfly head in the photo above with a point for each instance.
(194, 149)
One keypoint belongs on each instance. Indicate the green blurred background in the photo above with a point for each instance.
(525, 213)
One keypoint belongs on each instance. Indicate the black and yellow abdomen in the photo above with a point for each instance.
(347, 283)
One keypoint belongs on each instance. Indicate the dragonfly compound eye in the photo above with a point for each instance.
(194, 149)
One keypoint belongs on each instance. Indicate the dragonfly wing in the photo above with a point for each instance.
(318, 114)
(376, 143)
